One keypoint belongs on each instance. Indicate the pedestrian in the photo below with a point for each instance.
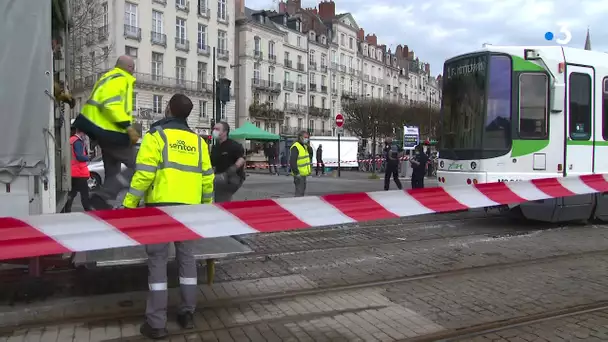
(107, 118)
(284, 163)
(320, 164)
(228, 160)
(172, 168)
(272, 159)
(300, 162)
(80, 172)
(391, 168)
(418, 162)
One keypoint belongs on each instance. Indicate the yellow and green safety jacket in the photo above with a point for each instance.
(108, 112)
(172, 167)
(303, 161)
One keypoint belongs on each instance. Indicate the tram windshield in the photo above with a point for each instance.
(476, 107)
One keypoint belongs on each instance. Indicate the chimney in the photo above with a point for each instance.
(588, 41)
(371, 39)
(399, 51)
(240, 8)
(327, 10)
(282, 6)
(427, 68)
(406, 52)
(361, 35)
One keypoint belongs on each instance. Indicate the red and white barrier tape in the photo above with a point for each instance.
(76, 232)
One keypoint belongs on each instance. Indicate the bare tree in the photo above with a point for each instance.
(89, 43)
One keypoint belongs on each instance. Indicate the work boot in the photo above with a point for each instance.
(98, 203)
(185, 320)
(154, 334)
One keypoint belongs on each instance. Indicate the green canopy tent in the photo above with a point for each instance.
(250, 132)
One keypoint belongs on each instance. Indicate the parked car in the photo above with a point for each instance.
(97, 171)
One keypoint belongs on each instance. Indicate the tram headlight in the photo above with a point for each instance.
(441, 164)
(473, 165)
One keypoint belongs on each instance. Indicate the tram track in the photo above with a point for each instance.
(134, 313)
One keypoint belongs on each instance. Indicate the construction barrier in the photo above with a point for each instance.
(77, 232)
(265, 165)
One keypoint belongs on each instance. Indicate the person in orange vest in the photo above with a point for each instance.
(80, 172)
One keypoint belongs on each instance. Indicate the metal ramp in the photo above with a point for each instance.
(206, 249)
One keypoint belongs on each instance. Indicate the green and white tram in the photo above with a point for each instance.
(514, 113)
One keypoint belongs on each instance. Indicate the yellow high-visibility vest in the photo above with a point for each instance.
(304, 165)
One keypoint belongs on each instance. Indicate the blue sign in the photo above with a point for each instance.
(411, 137)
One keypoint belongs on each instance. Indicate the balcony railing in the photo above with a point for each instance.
(182, 44)
(301, 66)
(287, 63)
(334, 91)
(318, 112)
(183, 6)
(223, 54)
(374, 79)
(366, 77)
(313, 86)
(295, 108)
(343, 68)
(312, 65)
(258, 54)
(261, 84)
(349, 95)
(158, 38)
(204, 12)
(301, 87)
(334, 65)
(323, 68)
(288, 130)
(203, 50)
(324, 89)
(162, 2)
(288, 85)
(103, 33)
(132, 32)
(320, 132)
(272, 58)
(351, 70)
(155, 80)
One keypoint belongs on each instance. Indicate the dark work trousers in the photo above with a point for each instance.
(80, 185)
(115, 179)
(320, 167)
(300, 183)
(417, 182)
(156, 305)
(223, 189)
(272, 165)
(391, 170)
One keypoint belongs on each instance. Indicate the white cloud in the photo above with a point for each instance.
(440, 29)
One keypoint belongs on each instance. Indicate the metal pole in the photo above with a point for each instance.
(374, 148)
(213, 86)
(339, 155)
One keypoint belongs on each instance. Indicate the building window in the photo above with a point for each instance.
(221, 40)
(223, 111)
(323, 104)
(104, 15)
(257, 45)
(580, 106)
(157, 104)
(202, 73)
(287, 76)
(202, 37)
(202, 108)
(221, 9)
(351, 43)
(299, 41)
(312, 101)
(157, 66)
(131, 51)
(221, 72)
(300, 123)
(271, 75)
(180, 70)
(131, 18)
(256, 72)
(180, 30)
(202, 7)
(342, 42)
(157, 22)
(299, 100)
(271, 48)
(311, 125)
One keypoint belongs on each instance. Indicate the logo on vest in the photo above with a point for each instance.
(181, 146)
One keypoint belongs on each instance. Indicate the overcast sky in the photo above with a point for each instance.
(440, 29)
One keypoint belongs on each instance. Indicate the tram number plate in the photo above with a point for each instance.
(502, 180)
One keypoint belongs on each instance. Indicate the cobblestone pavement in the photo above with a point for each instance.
(589, 327)
(376, 313)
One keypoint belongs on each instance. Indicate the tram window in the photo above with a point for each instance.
(605, 109)
(580, 106)
(533, 104)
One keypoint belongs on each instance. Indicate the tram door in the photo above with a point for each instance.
(579, 120)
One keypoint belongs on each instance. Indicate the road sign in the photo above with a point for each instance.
(339, 120)
(340, 130)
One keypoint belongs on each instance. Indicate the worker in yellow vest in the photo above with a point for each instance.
(300, 162)
(172, 168)
(107, 118)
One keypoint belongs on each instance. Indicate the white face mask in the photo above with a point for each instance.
(305, 140)
(215, 133)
